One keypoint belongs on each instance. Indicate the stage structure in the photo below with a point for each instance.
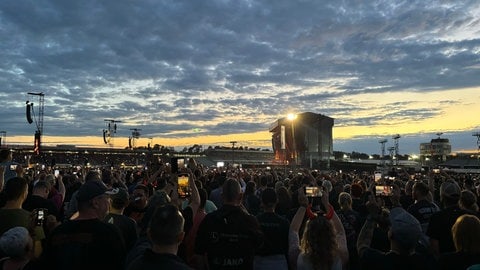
(382, 151)
(110, 131)
(436, 151)
(396, 154)
(477, 134)
(303, 139)
(391, 150)
(233, 152)
(3, 138)
(132, 140)
(37, 118)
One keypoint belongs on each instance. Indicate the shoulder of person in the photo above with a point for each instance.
(136, 263)
(373, 255)
(209, 217)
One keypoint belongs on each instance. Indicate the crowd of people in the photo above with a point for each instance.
(234, 218)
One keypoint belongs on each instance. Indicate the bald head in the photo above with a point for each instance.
(231, 192)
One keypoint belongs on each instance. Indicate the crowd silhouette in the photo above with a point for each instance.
(114, 217)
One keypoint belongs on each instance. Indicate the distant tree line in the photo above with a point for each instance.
(198, 149)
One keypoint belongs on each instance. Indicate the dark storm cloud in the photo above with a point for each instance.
(169, 65)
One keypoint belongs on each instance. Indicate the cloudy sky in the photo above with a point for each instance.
(209, 72)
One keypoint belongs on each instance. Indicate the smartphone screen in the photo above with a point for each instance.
(40, 217)
(57, 173)
(13, 167)
(177, 164)
(381, 190)
(183, 188)
(378, 176)
(313, 192)
(181, 163)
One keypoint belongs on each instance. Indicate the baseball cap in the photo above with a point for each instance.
(278, 185)
(14, 241)
(450, 189)
(405, 228)
(92, 189)
(121, 196)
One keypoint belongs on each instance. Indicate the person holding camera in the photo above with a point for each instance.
(170, 194)
(323, 243)
(38, 201)
(404, 234)
(10, 168)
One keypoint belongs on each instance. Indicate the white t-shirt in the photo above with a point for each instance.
(303, 263)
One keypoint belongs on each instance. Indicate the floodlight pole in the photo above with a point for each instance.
(382, 157)
(3, 138)
(395, 140)
(477, 134)
(233, 152)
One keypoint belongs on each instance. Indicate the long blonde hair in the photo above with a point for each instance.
(465, 234)
(319, 243)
